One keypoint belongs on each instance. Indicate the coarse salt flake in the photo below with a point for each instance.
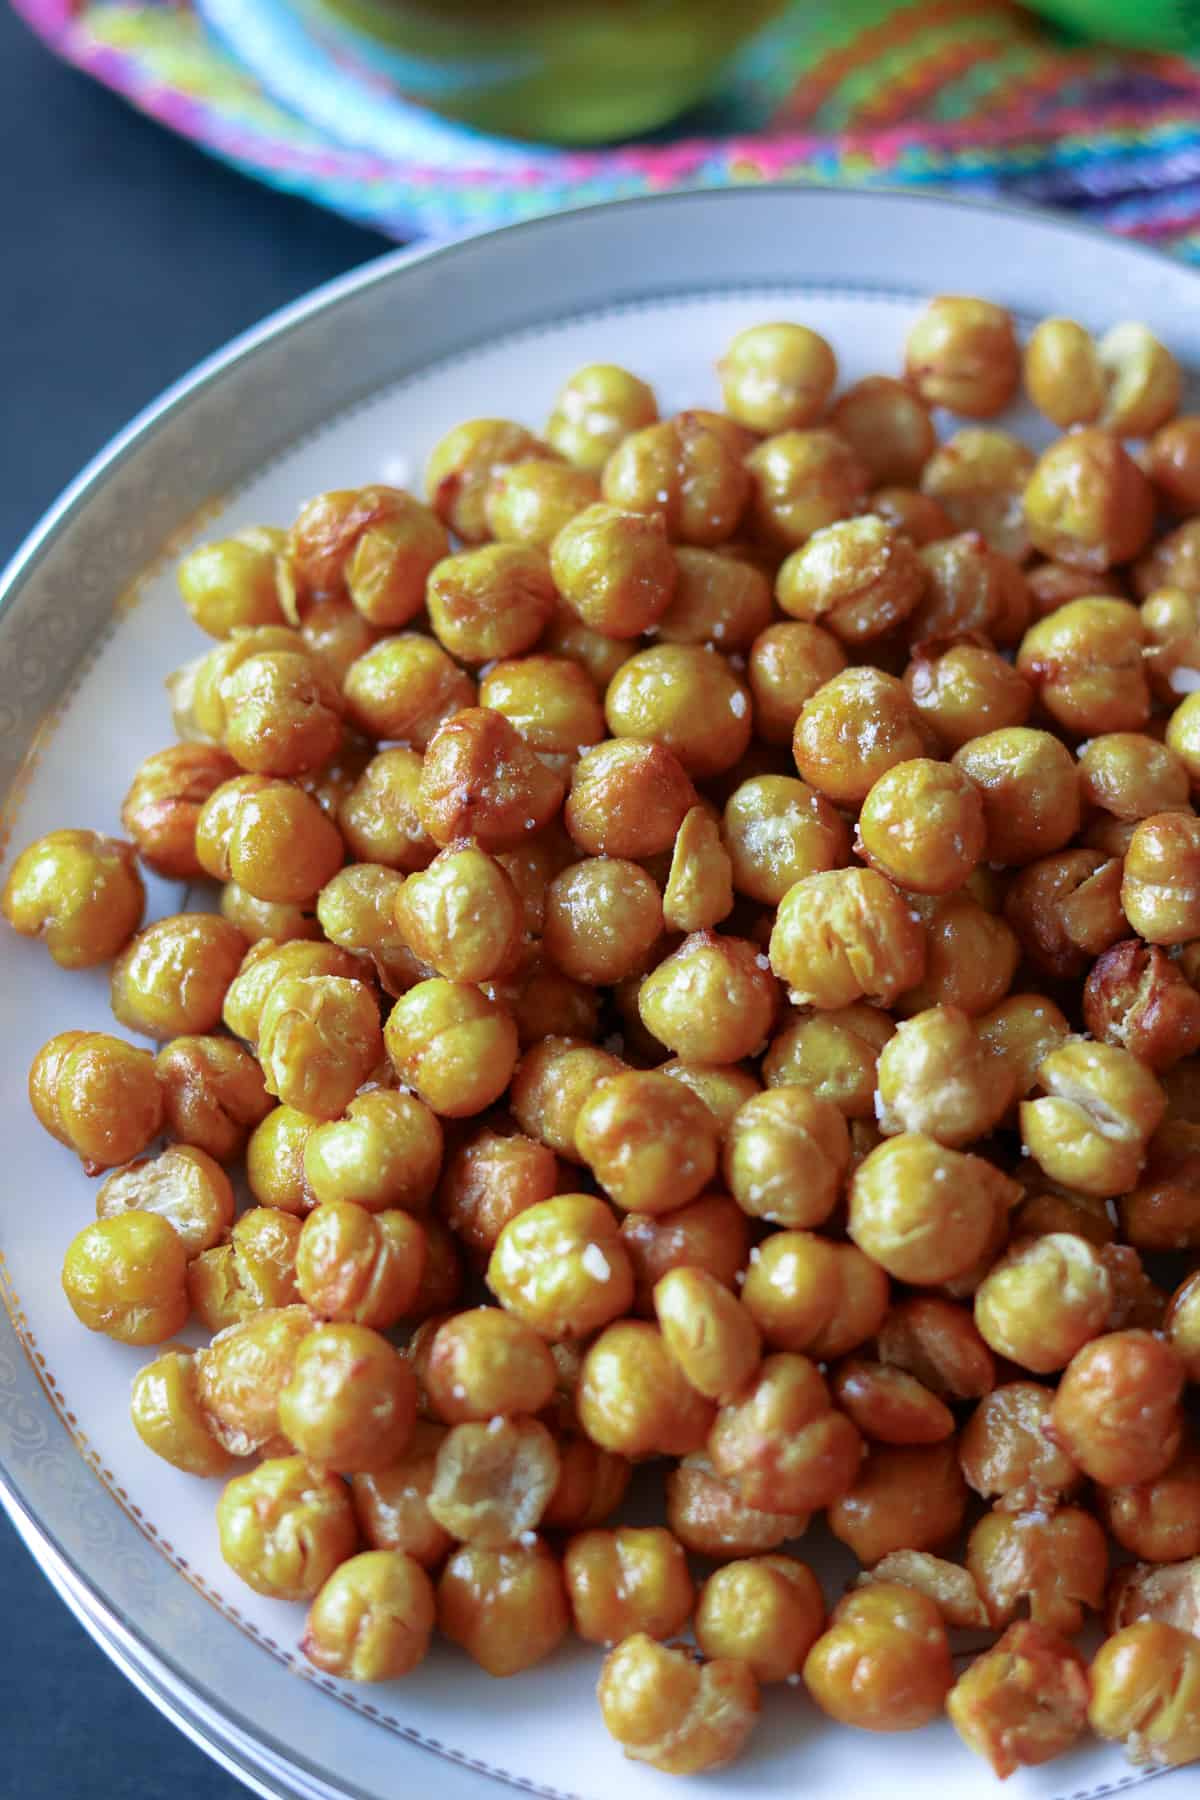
(496, 1422)
(596, 1263)
(739, 706)
(761, 961)
(1184, 681)
(528, 1538)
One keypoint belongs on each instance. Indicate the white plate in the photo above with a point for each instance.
(352, 387)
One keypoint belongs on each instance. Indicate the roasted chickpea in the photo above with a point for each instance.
(859, 577)
(481, 780)
(259, 919)
(834, 1054)
(843, 936)
(1116, 1412)
(357, 1267)
(1166, 578)
(1055, 1562)
(335, 635)
(561, 1267)
(264, 965)
(1021, 1032)
(275, 1160)
(79, 892)
(961, 353)
(1142, 379)
(806, 1293)
(614, 568)
(1145, 1693)
(552, 702)
(254, 1272)
(765, 1611)
(1137, 997)
(937, 1075)
(970, 956)
(1182, 1325)
(649, 1141)
(1098, 1110)
(1160, 892)
(1065, 909)
(319, 1038)
(887, 425)
(591, 1485)
(463, 465)
(1023, 1702)
(1007, 1452)
(687, 471)
(1052, 584)
(713, 1000)
(685, 697)
(598, 407)
(285, 1526)
(507, 1608)
(1063, 374)
(625, 1581)
(1087, 503)
(492, 602)
(163, 804)
(462, 915)
(1172, 461)
(282, 713)
(126, 1276)
(1084, 662)
(951, 1588)
(1131, 776)
(171, 979)
(98, 1095)
(490, 1178)
(803, 481)
(492, 1482)
(852, 731)
(379, 817)
(904, 1497)
(182, 1185)
(487, 1363)
(709, 1517)
(241, 1374)
(634, 1399)
(443, 1275)
(350, 1401)
(627, 799)
(673, 1712)
(599, 656)
(699, 888)
(719, 599)
(966, 692)
(168, 1417)
(889, 1405)
(385, 1153)
(788, 663)
(1163, 1211)
(777, 830)
(551, 1083)
(1043, 1300)
(453, 1045)
(970, 590)
(782, 1442)
(269, 837)
(709, 1234)
(1029, 786)
(392, 1504)
(198, 689)
(922, 825)
(883, 1664)
(603, 918)
(978, 476)
(358, 911)
(372, 1619)
(1158, 1519)
(786, 1157)
(937, 1342)
(917, 516)
(923, 1212)
(776, 377)
(707, 1332)
(405, 687)
(528, 503)
(232, 583)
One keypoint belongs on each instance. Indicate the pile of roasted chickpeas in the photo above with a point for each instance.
(702, 970)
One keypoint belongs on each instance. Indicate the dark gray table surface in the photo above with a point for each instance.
(125, 255)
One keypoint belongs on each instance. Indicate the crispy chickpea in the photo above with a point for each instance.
(1087, 503)
(198, 689)
(709, 1234)
(887, 425)
(970, 589)
(507, 1608)
(392, 1504)
(712, 1000)
(550, 1085)
(806, 1293)
(1159, 1519)
(442, 1276)
(462, 915)
(379, 817)
(917, 515)
(764, 1611)
(722, 1087)
(453, 1045)
(1043, 1300)
(965, 692)
(1183, 738)
(598, 407)
(283, 713)
(698, 892)
(859, 577)
(126, 1276)
(232, 583)
(324, 540)
(1169, 1593)
(98, 1095)
(1029, 786)
(591, 1485)
(1063, 374)
(79, 892)
(599, 656)
(1182, 1325)
(335, 635)
(685, 697)
(463, 465)
(358, 911)
(319, 1038)
(167, 1416)
(786, 1157)
(171, 979)
(405, 687)
(182, 1185)
(777, 830)
(923, 1212)
(1023, 1702)
(552, 702)
(937, 1342)
(269, 837)
(777, 377)
(1052, 584)
(883, 1664)
(1163, 1211)
(372, 1619)
(492, 1482)
(834, 1054)
(922, 825)
(961, 353)
(1021, 1032)
(1167, 579)
(1160, 892)
(936, 1075)
(782, 1442)
(490, 1178)
(1137, 997)
(491, 602)
(905, 1497)
(951, 1588)
(259, 919)
(241, 1374)
(481, 780)
(978, 476)
(843, 936)
(1138, 1303)
(971, 956)
(709, 1517)
(1084, 662)
(285, 1526)
(487, 1363)
(889, 1405)
(264, 965)
(163, 804)
(852, 731)
(1116, 1412)
(1143, 381)
(687, 471)
(669, 1710)
(1054, 1562)
(1007, 1453)
(1172, 460)
(561, 1267)
(384, 1154)
(386, 570)
(544, 1002)
(803, 481)
(649, 1141)
(1145, 1693)
(275, 1160)
(788, 663)
(707, 1331)
(357, 1267)
(1099, 1108)
(528, 503)
(615, 570)
(634, 1399)
(719, 599)
(254, 1272)
(350, 1401)
(625, 1581)
(1131, 776)
(603, 918)
(628, 799)
(1065, 909)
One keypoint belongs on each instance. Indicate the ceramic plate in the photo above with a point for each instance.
(355, 385)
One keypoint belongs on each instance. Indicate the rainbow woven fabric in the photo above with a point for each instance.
(974, 95)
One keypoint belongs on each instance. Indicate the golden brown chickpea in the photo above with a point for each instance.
(713, 1000)
(335, 635)
(598, 407)
(937, 1075)
(625, 1581)
(947, 1584)
(232, 583)
(766, 1612)
(719, 599)
(859, 577)
(916, 515)
(709, 1517)
(171, 979)
(1054, 1562)
(1131, 776)
(492, 1482)
(462, 915)
(442, 1276)
(1088, 504)
(1021, 1032)
(777, 377)
(359, 1268)
(884, 1662)
(184, 1186)
(259, 919)
(970, 590)
(79, 892)
(126, 1276)
(966, 692)
(971, 956)
(384, 1154)
(264, 965)
(492, 602)
(852, 731)
(490, 1178)
(698, 892)
(709, 1234)
(667, 1709)
(1137, 1302)
(1160, 892)
(685, 697)
(241, 1374)
(1137, 997)
(481, 780)
(978, 476)
(561, 1267)
(319, 1038)
(507, 1608)
(1143, 381)
(385, 572)
(167, 1416)
(253, 1273)
(1169, 1594)
(1030, 790)
(350, 1401)
(285, 1526)
(599, 656)
(905, 1497)
(528, 503)
(887, 425)
(163, 804)
(603, 919)
(1116, 1412)
(777, 830)
(1169, 570)
(614, 568)
(937, 1342)
(405, 687)
(1159, 1519)
(803, 481)
(1084, 662)
(552, 702)
(323, 542)
(283, 713)
(1098, 1110)
(843, 936)
(1183, 738)
(487, 1363)
(687, 471)
(544, 1002)
(591, 1485)
(269, 837)
(1145, 1693)
(1043, 1300)
(275, 1160)
(379, 818)
(391, 1504)
(1023, 1702)
(1163, 1211)
(98, 1095)
(551, 1083)
(786, 1157)
(358, 911)
(889, 1405)
(1172, 460)
(782, 1442)
(634, 1399)
(707, 1332)
(961, 353)
(1065, 909)
(649, 1141)
(1182, 1325)
(834, 1054)
(923, 1212)
(463, 465)
(627, 799)
(531, 866)
(1063, 374)
(1007, 1453)
(1052, 584)
(808, 1294)
(722, 1087)
(788, 663)
(372, 1619)
(922, 825)
(453, 1045)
